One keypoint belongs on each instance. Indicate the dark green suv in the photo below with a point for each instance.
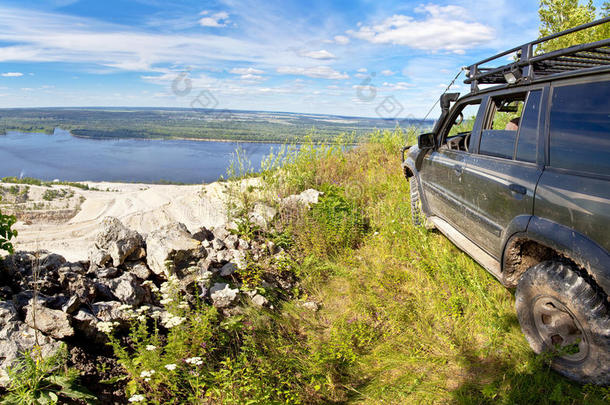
(518, 176)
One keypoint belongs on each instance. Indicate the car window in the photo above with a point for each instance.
(580, 127)
(527, 139)
(458, 134)
(501, 126)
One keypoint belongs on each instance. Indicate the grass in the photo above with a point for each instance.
(405, 317)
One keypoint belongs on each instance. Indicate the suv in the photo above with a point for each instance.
(518, 176)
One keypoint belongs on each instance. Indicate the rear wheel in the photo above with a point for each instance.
(561, 313)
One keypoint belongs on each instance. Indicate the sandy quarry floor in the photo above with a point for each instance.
(141, 207)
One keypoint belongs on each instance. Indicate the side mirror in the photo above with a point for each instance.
(425, 141)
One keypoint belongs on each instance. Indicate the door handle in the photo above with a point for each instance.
(516, 188)
(458, 169)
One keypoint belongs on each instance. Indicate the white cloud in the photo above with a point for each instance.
(387, 73)
(317, 72)
(220, 19)
(361, 75)
(442, 29)
(341, 39)
(12, 74)
(322, 54)
(362, 70)
(252, 78)
(246, 71)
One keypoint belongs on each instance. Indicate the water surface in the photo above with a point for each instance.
(68, 158)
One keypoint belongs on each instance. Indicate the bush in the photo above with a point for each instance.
(6, 233)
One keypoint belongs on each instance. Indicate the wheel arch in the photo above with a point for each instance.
(547, 240)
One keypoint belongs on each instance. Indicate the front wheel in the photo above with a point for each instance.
(418, 218)
(561, 313)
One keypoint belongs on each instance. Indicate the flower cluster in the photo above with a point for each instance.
(195, 361)
(172, 320)
(137, 398)
(147, 374)
(106, 327)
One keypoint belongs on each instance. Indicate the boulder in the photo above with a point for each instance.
(259, 300)
(52, 322)
(203, 234)
(115, 241)
(139, 269)
(16, 338)
(175, 244)
(228, 269)
(223, 298)
(299, 201)
(262, 215)
(126, 288)
(109, 311)
(72, 305)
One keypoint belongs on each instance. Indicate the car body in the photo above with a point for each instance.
(515, 193)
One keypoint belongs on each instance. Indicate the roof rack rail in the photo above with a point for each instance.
(528, 66)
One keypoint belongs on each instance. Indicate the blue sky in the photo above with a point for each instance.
(360, 58)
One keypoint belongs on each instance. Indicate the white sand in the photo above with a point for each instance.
(142, 207)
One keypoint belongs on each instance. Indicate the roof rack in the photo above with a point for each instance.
(528, 66)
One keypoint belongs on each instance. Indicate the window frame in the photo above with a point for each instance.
(455, 110)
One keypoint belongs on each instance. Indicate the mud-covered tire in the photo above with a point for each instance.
(559, 310)
(418, 218)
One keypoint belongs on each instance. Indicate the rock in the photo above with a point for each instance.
(220, 232)
(52, 322)
(107, 272)
(16, 338)
(203, 235)
(225, 297)
(206, 243)
(239, 258)
(228, 269)
(72, 305)
(85, 323)
(127, 289)
(139, 269)
(172, 243)
(116, 240)
(204, 264)
(139, 253)
(109, 311)
(262, 215)
(218, 244)
(303, 200)
(310, 305)
(259, 300)
(78, 284)
(231, 241)
(243, 245)
(223, 256)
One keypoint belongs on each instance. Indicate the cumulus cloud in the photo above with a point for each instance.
(443, 28)
(12, 74)
(341, 39)
(317, 72)
(251, 78)
(322, 54)
(387, 73)
(246, 71)
(220, 19)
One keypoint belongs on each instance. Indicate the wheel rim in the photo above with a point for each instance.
(559, 329)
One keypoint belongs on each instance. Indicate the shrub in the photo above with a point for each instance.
(6, 233)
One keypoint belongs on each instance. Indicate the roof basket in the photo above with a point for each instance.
(528, 66)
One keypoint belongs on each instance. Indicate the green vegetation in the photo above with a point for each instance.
(38, 380)
(6, 233)
(405, 317)
(38, 182)
(560, 15)
(150, 123)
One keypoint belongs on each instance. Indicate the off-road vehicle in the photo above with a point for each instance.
(517, 174)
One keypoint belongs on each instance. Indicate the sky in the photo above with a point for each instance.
(373, 58)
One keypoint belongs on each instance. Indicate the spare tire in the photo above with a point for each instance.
(561, 313)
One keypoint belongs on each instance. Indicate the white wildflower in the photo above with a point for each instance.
(170, 367)
(143, 308)
(196, 361)
(173, 320)
(147, 373)
(137, 398)
(166, 301)
(124, 307)
(150, 348)
(105, 327)
(183, 305)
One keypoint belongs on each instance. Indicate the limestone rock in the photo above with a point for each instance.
(52, 322)
(225, 297)
(115, 240)
(172, 243)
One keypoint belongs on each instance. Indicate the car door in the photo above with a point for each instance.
(502, 172)
(441, 172)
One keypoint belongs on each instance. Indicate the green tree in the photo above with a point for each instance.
(560, 15)
(6, 233)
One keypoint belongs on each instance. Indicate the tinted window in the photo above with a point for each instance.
(580, 127)
(528, 130)
(498, 143)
